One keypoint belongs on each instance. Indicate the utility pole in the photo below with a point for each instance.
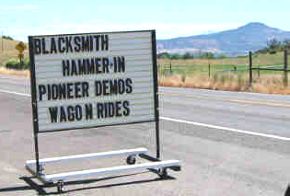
(2, 46)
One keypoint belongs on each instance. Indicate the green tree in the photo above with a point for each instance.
(163, 55)
(7, 37)
(176, 56)
(274, 46)
(207, 55)
(286, 44)
(187, 55)
(221, 56)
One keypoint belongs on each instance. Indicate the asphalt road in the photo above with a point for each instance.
(229, 143)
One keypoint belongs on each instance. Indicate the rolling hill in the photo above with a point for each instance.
(250, 37)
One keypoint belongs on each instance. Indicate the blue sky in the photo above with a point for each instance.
(171, 18)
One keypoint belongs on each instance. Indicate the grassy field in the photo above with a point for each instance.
(201, 66)
(224, 74)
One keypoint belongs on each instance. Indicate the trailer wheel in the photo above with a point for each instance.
(163, 174)
(131, 160)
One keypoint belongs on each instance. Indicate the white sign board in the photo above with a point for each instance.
(91, 80)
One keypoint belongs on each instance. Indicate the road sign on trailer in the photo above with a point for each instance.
(93, 80)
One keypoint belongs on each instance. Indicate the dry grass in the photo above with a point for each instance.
(5, 71)
(272, 84)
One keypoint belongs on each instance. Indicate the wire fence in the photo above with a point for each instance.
(251, 66)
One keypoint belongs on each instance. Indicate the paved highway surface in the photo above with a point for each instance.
(230, 144)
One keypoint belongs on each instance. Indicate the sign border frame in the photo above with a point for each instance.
(34, 94)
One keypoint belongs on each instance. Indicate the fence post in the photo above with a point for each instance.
(285, 68)
(170, 67)
(209, 71)
(250, 69)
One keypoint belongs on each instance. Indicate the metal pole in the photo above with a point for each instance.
(38, 169)
(34, 105)
(285, 68)
(250, 69)
(156, 100)
(157, 137)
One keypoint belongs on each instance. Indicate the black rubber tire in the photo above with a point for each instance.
(163, 173)
(60, 185)
(131, 160)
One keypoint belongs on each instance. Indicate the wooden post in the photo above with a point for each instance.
(209, 70)
(285, 68)
(250, 69)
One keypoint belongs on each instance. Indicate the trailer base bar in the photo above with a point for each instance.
(91, 156)
(157, 166)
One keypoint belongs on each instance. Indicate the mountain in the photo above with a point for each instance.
(250, 37)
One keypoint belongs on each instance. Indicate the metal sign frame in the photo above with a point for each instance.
(36, 167)
(33, 82)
